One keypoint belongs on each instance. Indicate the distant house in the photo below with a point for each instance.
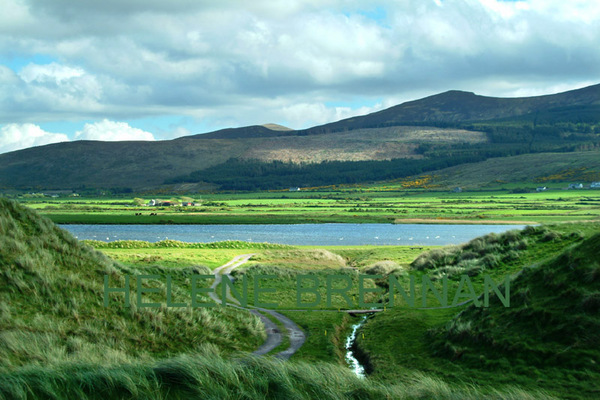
(294, 189)
(576, 186)
(187, 204)
(152, 203)
(595, 185)
(541, 189)
(457, 189)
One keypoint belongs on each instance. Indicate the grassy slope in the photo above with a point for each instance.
(530, 169)
(551, 331)
(141, 165)
(407, 339)
(51, 303)
(59, 342)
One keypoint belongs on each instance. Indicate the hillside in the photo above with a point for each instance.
(552, 326)
(458, 107)
(528, 169)
(52, 310)
(445, 130)
(546, 338)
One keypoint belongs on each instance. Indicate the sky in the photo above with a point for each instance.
(157, 70)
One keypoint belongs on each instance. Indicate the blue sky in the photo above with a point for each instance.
(156, 70)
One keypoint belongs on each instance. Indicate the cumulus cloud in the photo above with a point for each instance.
(106, 130)
(20, 136)
(52, 72)
(230, 60)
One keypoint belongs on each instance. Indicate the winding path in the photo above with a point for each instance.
(274, 337)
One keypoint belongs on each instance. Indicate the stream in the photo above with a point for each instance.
(351, 359)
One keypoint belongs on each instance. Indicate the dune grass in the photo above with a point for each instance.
(207, 375)
(546, 339)
(52, 303)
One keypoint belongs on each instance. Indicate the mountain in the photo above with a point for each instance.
(457, 106)
(254, 131)
(440, 131)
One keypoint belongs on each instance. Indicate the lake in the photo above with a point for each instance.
(296, 234)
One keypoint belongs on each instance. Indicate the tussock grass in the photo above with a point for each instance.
(552, 328)
(207, 375)
(486, 252)
(52, 303)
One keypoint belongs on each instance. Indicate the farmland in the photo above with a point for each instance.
(383, 203)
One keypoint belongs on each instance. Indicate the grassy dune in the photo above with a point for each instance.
(52, 311)
(547, 338)
(552, 331)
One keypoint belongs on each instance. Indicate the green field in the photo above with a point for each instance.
(380, 204)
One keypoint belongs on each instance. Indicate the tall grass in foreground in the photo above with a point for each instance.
(207, 375)
(52, 303)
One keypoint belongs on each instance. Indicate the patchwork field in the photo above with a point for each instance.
(382, 204)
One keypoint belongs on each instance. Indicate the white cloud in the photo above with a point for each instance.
(20, 136)
(124, 59)
(106, 130)
(52, 72)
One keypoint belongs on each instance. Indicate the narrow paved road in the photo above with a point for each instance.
(274, 337)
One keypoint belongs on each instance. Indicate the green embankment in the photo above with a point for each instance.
(547, 338)
(52, 303)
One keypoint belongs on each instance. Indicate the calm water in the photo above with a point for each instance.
(299, 234)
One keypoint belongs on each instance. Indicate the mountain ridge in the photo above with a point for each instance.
(456, 126)
(493, 108)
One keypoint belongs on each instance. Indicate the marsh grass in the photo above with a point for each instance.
(207, 375)
(52, 303)
(486, 253)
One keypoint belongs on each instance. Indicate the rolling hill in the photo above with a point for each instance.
(444, 130)
(457, 107)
